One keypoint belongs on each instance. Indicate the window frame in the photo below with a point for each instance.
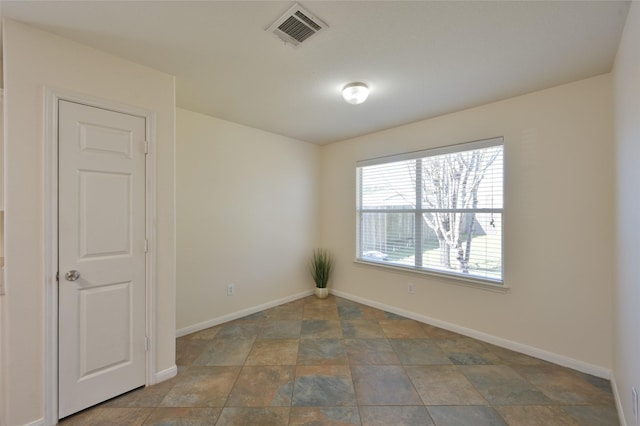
(457, 277)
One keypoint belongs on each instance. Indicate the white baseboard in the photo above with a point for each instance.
(167, 374)
(494, 340)
(239, 314)
(39, 422)
(616, 397)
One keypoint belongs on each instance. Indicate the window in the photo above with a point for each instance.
(437, 211)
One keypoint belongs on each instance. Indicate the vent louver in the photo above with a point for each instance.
(297, 25)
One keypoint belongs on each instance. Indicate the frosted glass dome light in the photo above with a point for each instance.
(355, 93)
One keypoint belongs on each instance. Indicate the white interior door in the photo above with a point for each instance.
(101, 261)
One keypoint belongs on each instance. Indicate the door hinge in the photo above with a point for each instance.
(146, 147)
(146, 246)
(58, 277)
(146, 344)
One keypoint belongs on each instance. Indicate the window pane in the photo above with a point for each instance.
(463, 180)
(388, 237)
(389, 186)
(474, 249)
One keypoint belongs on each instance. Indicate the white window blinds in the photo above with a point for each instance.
(438, 210)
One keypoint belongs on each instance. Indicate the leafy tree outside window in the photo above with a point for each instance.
(438, 210)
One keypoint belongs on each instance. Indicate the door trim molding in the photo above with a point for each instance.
(50, 228)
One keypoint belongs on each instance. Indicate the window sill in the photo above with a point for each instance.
(476, 283)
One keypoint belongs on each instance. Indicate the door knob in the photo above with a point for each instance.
(72, 275)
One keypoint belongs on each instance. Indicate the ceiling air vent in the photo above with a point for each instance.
(297, 25)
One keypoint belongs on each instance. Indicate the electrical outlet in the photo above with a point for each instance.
(634, 402)
(231, 289)
(411, 288)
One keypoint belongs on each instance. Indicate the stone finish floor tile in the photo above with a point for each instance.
(323, 386)
(510, 357)
(371, 351)
(285, 312)
(149, 396)
(325, 416)
(329, 312)
(562, 385)
(337, 362)
(383, 385)
(180, 416)
(321, 329)
(501, 385)
(464, 358)
(466, 415)
(273, 352)
(350, 312)
(591, 415)
(402, 329)
(443, 385)
(392, 316)
(322, 352)
(240, 329)
(280, 329)
(467, 351)
(362, 329)
(226, 351)
(206, 334)
(264, 386)
(439, 333)
(273, 416)
(396, 416)
(188, 350)
(257, 316)
(603, 384)
(536, 415)
(202, 387)
(372, 313)
(419, 352)
(108, 416)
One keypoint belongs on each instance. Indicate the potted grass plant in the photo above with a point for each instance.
(320, 267)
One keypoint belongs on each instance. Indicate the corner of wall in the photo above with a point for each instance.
(626, 347)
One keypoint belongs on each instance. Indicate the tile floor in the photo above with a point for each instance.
(336, 362)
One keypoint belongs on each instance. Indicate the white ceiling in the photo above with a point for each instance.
(421, 58)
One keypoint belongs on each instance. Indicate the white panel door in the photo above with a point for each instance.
(101, 261)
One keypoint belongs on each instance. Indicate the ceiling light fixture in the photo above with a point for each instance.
(355, 93)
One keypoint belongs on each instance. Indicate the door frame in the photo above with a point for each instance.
(52, 96)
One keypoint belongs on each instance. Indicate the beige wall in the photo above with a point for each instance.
(34, 60)
(247, 203)
(558, 225)
(626, 77)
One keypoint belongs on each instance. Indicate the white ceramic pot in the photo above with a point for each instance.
(321, 293)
